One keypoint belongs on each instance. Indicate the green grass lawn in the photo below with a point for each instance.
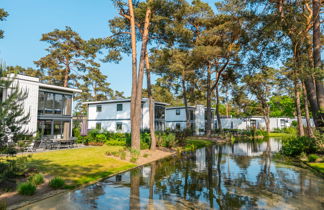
(79, 166)
(280, 135)
(318, 166)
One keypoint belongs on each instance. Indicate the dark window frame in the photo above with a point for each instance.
(119, 126)
(98, 125)
(119, 107)
(177, 111)
(98, 108)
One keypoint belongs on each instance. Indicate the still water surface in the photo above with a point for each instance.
(233, 176)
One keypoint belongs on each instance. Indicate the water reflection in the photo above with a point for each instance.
(241, 175)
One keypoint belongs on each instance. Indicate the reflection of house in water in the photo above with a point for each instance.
(200, 160)
(252, 149)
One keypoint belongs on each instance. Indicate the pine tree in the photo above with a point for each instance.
(25, 71)
(3, 15)
(12, 114)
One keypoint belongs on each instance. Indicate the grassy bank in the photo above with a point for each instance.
(318, 166)
(280, 135)
(79, 166)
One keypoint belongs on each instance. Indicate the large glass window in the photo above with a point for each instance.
(49, 103)
(56, 129)
(58, 104)
(67, 105)
(54, 104)
(159, 112)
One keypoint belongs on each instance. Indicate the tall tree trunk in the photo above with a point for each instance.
(219, 122)
(185, 100)
(151, 103)
(66, 74)
(208, 111)
(134, 136)
(137, 116)
(317, 62)
(298, 109)
(267, 117)
(309, 127)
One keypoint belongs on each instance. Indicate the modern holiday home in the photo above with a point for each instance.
(176, 118)
(49, 106)
(257, 122)
(114, 115)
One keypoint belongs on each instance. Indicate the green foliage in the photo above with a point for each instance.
(26, 188)
(56, 183)
(312, 157)
(289, 130)
(166, 139)
(3, 15)
(145, 155)
(36, 179)
(282, 106)
(294, 146)
(13, 167)
(3, 205)
(133, 160)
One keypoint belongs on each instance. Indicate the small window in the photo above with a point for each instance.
(98, 126)
(99, 108)
(177, 111)
(178, 126)
(119, 126)
(119, 107)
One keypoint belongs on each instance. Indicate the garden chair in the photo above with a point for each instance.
(33, 146)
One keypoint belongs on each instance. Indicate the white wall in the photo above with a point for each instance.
(239, 123)
(199, 119)
(109, 116)
(29, 84)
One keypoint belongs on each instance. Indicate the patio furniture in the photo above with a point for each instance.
(33, 146)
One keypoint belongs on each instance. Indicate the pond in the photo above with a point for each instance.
(232, 176)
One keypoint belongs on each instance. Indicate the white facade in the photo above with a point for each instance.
(33, 88)
(257, 122)
(175, 118)
(114, 115)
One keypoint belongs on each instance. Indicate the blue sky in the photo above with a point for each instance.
(28, 20)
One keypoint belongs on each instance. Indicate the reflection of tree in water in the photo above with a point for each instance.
(242, 161)
(135, 179)
(88, 195)
(265, 178)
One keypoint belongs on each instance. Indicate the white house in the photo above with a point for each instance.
(257, 122)
(114, 115)
(175, 118)
(49, 107)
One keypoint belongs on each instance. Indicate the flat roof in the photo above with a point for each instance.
(43, 85)
(120, 101)
(183, 107)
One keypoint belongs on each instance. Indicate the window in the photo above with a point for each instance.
(67, 105)
(178, 126)
(177, 111)
(119, 126)
(54, 104)
(119, 107)
(49, 103)
(58, 104)
(283, 123)
(253, 123)
(99, 108)
(98, 126)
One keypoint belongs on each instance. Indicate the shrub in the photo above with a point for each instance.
(166, 140)
(100, 138)
(122, 155)
(115, 143)
(56, 183)
(133, 159)
(3, 205)
(145, 155)
(26, 188)
(312, 158)
(12, 168)
(36, 179)
(294, 146)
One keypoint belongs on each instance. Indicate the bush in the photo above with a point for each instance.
(36, 179)
(57, 183)
(100, 138)
(12, 168)
(166, 140)
(312, 158)
(26, 188)
(115, 143)
(294, 146)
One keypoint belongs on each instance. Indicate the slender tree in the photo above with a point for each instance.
(3, 15)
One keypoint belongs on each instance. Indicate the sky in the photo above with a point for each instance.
(28, 20)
